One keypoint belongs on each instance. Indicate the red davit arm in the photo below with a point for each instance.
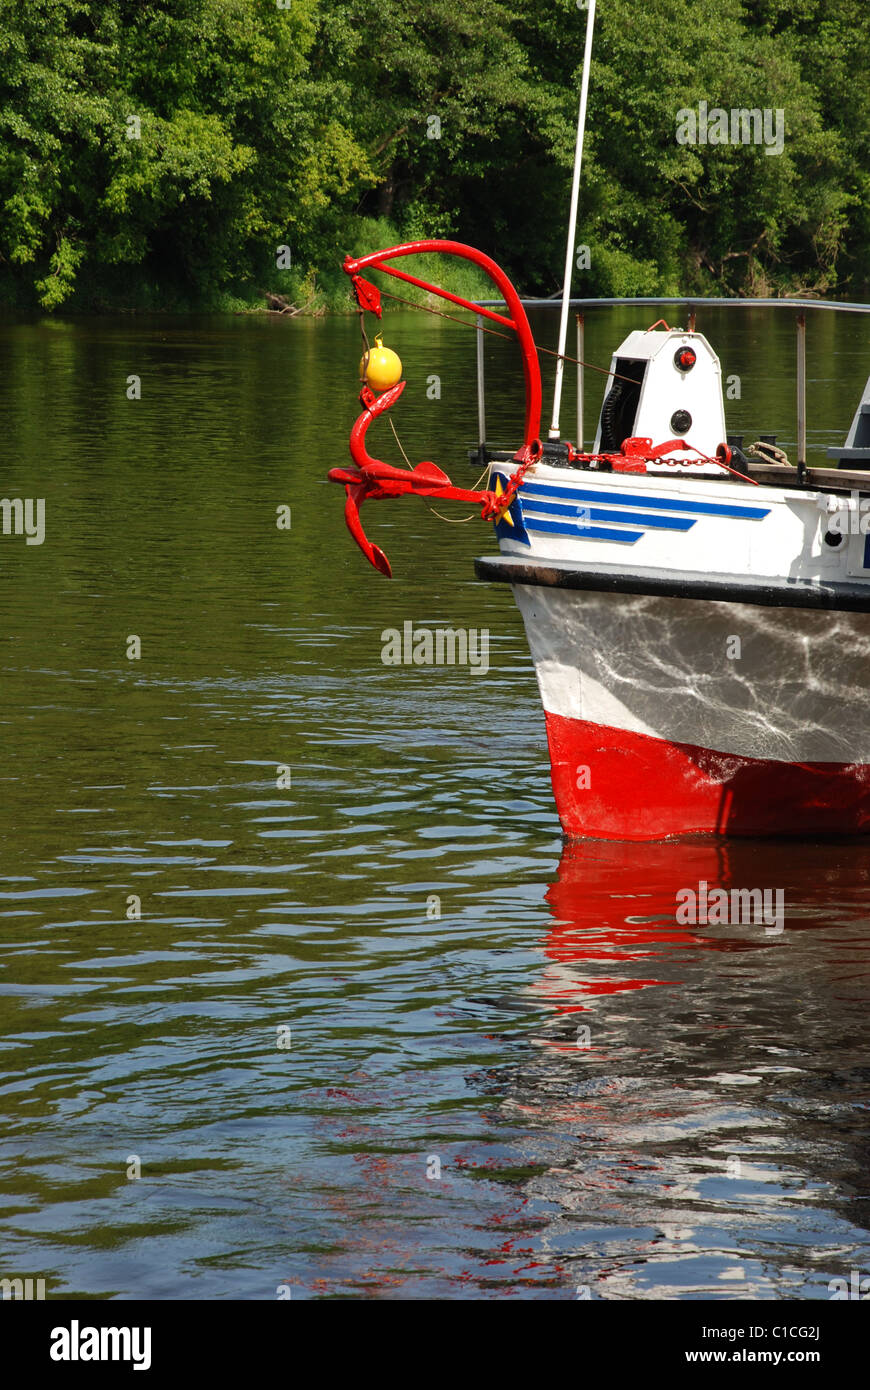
(517, 321)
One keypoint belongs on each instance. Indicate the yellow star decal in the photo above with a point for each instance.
(504, 514)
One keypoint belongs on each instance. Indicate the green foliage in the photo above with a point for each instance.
(161, 152)
(187, 139)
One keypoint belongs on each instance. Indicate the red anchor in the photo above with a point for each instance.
(372, 478)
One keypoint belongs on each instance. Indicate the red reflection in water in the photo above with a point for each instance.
(617, 901)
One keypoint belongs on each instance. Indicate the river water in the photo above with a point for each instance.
(300, 992)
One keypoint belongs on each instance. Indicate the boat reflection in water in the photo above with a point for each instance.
(692, 1105)
(656, 909)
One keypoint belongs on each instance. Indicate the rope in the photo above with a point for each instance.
(451, 520)
(399, 442)
(494, 332)
(362, 329)
(769, 453)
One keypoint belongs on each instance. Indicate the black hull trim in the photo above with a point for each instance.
(766, 593)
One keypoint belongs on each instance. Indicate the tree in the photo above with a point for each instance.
(188, 139)
(163, 151)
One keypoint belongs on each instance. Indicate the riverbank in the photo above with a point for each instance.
(308, 289)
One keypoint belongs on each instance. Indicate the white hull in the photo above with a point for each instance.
(702, 652)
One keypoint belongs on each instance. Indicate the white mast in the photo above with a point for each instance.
(572, 223)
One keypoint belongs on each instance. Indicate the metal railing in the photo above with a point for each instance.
(691, 303)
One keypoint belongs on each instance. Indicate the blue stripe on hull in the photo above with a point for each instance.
(661, 523)
(530, 490)
(582, 533)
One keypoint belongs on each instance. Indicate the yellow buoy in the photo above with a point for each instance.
(380, 366)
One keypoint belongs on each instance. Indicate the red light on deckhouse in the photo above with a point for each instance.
(685, 359)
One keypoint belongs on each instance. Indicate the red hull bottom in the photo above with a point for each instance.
(614, 785)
